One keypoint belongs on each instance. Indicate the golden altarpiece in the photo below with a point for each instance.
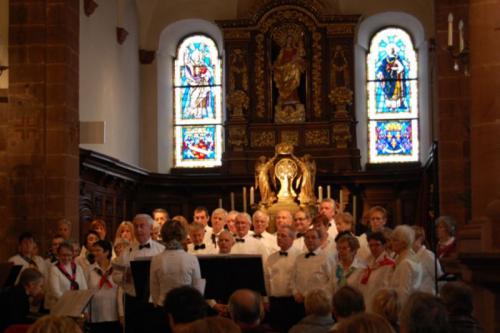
(289, 79)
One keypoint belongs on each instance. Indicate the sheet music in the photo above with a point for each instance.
(72, 303)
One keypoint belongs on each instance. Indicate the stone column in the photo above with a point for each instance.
(40, 159)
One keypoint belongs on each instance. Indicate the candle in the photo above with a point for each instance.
(320, 193)
(220, 202)
(461, 36)
(252, 195)
(354, 208)
(341, 201)
(328, 191)
(232, 200)
(244, 199)
(450, 30)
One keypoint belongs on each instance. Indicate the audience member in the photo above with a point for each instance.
(385, 302)
(365, 323)
(458, 299)
(15, 303)
(424, 313)
(215, 324)
(173, 267)
(247, 310)
(284, 311)
(347, 301)
(445, 230)
(378, 272)
(407, 275)
(55, 324)
(260, 222)
(431, 268)
(64, 275)
(318, 307)
(184, 305)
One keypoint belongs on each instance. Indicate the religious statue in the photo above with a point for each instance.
(262, 182)
(285, 171)
(307, 179)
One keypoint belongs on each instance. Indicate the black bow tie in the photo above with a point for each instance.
(199, 247)
(284, 253)
(240, 240)
(257, 236)
(300, 234)
(310, 254)
(147, 246)
(214, 239)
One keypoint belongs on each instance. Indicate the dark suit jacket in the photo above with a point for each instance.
(14, 307)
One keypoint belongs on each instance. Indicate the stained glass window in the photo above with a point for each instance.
(198, 103)
(392, 91)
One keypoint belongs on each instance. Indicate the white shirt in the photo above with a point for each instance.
(426, 258)
(38, 261)
(171, 269)
(312, 272)
(208, 235)
(250, 246)
(278, 272)
(209, 249)
(269, 241)
(58, 283)
(213, 238)
(352, 278)
(379, 277)
(124, 277)
(105, 302)
(332, 230)
(407, 276)
(364, 250)
(299, 244)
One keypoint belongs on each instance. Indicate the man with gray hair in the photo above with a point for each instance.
(245, 243)
(135, 308)
(260, 221)
(318, 305)
(247, 310)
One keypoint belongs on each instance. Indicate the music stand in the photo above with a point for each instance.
(8, 274)
(227, 273)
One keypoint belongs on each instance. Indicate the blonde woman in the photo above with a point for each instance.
(126, 231)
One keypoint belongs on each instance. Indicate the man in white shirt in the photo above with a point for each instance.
(245, 243)
(160, 216)
(301, 222)
(25, 257)
(285, 312)
(260, 221)
(327, 208)
(197, 235)
(218, 219)
(313, 269)
(283, 217)
(378, 220)
(225, 242)
(136, 309)
(200, 215)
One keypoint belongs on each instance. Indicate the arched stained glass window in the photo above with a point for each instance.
(392, 90)
(198, 103)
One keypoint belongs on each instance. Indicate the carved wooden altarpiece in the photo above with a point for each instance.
(289, 76)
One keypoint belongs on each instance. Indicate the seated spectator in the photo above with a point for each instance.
(247, 310)
(445, 231)
(14, 302)
(182, 306)
(318, 306)
(347, 301)
(431, 268)
(424, 313)
(365, 323)
(386, 304)
(213, 325)
(54, 324)
(458, 297)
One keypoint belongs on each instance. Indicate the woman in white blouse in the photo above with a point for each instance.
(104, 305)
(348, 267)
(407, 276)
(174, 267)
(64, 275)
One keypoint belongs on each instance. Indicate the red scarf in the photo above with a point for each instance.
(104, 277)
(386, 261)
(73, 285)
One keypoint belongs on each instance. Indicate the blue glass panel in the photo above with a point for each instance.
(198, 143)
(394, 138)
(198, 102)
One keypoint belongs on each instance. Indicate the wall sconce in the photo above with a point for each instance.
(3, 68)
(459, 55)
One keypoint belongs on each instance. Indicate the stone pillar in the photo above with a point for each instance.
(40, 159)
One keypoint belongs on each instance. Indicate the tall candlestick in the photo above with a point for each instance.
(341, 201)
(220, 202)
(450, 30)
(320, 193)
(252, 195)
(354, 199)
(244, 199)
(460, 36)
(328, 191)
(232, 200)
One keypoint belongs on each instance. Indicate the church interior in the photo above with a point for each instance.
(375, 103)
